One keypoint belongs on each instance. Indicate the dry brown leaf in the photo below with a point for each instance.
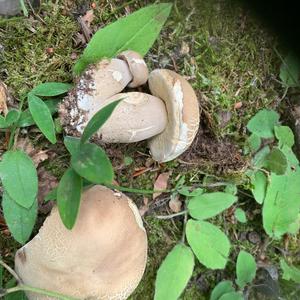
(145, 207)
(238, 105)
(175, 204)
(3, 98)
(161, 183)
(88, 17)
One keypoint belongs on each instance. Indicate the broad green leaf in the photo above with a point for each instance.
(231, 189)
(284, 135)
(245, 269)
(92, 164)
(290, 156)
(276, 162)
(174, 273)
(19, 220)
(72, 144)
(26, 117)
(137, 32)
(210, 245)
(19, 177)
(209, 205)
(253, 143)
(262, 124)
(232, 296)
(223, 287)
(290, 70)
(259, 181)
(290, 272)
(282, 203)
(295, 226)
(98, 120)
(186, 191)
(260, 157)
(12, 117)
(50, 89)
(68, 197)
(42, 117)
(3, 123)
(240, 215)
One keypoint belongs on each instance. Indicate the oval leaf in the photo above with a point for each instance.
(19, 177)
(174, 273)
(72, 144)
(209, 243)
(259, 181)
(232, 296)
(137, 32)
(50, 89)
(285, 136)
(19, 220)
(240, 215)
(220, 289)
(262, 124)
(276, 162)
(68, 197)
(98, 120)
(245, 269)
(92, 164)
(209, 205)
(12, 117)
(42, 117)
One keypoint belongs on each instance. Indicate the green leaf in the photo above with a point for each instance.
(72, 144)
(68, 197)
(174, 273)
(19, 177)
(290, 71)
(282, 203)
(260, 157)
(128, 161)
(209, 243)
(210, 204)
(3, 123)
(240, 215)
(220, 289)
(137, 32)
(253, 142)
(12, 117)
(186, 191)
(276, 162)
(20, 295)
(50, 89)
(262, 124)
(245, 269)
(259, 181)
(92, 164)
(231, 189)
(42, 117)
(26, 119)
(52, 195)
(284, 135)
(290, 156)
(98, 120)
(232, 296)
(19, 220)
(290, 272)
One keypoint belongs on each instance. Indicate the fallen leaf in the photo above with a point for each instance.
(185, 48)
(175, 204)
(3, 98)
(140, 171)
(145, 207)
(238, 105)
(88, 17)
(161, 183)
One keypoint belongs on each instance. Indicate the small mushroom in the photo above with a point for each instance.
(99, 82)
(102, 257)
(183, 114)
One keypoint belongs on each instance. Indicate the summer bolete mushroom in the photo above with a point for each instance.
(99, 82)
(102, 257)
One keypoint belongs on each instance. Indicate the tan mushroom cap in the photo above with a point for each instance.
(102, 257)
(183, 114)
(137, 67)
(137, 117)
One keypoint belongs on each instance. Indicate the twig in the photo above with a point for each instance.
(10, 270)
(184, 212)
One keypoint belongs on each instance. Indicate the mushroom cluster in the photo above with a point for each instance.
(168, 118)
(102, 257)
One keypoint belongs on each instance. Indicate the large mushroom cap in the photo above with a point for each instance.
(102, 257)
(183, 114)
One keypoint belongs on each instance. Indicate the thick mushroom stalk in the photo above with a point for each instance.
(99, 82)
(102, 257)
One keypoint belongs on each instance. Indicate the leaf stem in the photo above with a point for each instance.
(10, 270)
(184, 212)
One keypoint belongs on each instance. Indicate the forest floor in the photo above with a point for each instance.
(232, 62)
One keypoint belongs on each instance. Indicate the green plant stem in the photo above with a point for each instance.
(136, 191)
(10, 270)
(27, 288)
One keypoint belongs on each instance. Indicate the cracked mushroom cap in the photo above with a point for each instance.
(137, 67)
(102, 257)
(183, 114)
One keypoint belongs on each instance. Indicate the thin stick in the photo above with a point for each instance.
(172, 216)
(136, 191)
(10, 270)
